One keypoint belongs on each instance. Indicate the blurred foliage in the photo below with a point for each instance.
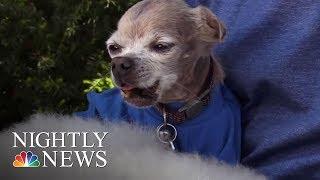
(52, 52)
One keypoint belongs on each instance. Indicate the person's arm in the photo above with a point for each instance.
(271, 56)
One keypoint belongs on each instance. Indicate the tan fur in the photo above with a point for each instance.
(183, 70)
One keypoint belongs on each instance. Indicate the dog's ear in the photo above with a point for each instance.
(209, 27)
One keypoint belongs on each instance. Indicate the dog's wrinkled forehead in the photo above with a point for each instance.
(154, 19)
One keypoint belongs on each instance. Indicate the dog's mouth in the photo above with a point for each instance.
(141, 97)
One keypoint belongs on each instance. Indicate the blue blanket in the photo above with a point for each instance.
(272, 58)
(215, 132)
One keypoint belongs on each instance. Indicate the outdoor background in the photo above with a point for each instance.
(52, 52)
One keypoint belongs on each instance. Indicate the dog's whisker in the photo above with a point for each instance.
(231, 69)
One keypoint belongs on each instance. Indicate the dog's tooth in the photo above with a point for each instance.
(186, 56)
(129, 93)
(126, 94)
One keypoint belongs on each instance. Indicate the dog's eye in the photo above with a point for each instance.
(114, 48)
(162, 47)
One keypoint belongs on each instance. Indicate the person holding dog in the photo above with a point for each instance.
(166, 74)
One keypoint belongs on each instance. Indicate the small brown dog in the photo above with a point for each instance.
(161, 52)
(167, 78)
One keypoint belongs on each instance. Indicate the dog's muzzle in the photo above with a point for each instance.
(124, 73)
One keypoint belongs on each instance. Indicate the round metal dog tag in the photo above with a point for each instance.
(167, 134)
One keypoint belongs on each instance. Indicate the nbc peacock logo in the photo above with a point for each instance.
(26, 159)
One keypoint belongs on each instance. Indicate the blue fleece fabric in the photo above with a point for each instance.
(215, 132)
(272, 58)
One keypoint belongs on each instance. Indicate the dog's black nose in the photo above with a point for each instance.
(122, 65)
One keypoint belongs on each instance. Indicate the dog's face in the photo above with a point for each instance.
(157, 47)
